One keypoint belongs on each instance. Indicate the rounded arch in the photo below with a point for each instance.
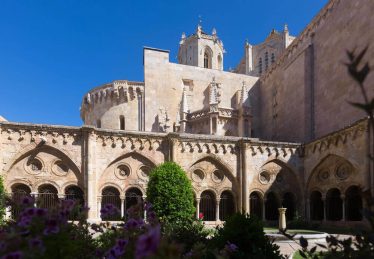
(70, 183)
(43, 182)
(136, 186)
(133, 196)
(316, 205)
(113, 185)
(334, 205)
(19, 192)
(208, 56)
(8, 185)
(47, 196)
(256, 203)
(226, 204)
(110, 195)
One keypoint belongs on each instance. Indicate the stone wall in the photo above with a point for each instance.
(310, 82)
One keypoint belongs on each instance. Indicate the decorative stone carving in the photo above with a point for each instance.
(198, 176)
(323, 175)
(59, 168)
(217, 176)
(264, 177)
(122, 172)
(343, 171)
(144, 171)
(34, 167)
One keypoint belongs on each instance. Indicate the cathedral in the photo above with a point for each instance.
(275, 131)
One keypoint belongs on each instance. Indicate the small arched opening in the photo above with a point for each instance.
(334, 205)
(316, 206)
(75, 194)
(133, 197)
(208, 206)
(19, 193)
(255, 202)
(289, 203)
(47, 196)
(226, 205)
(271, 206)
(111, 195)
(353, 207)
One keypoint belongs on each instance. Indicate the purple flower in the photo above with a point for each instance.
(134, 224)
(148, 242)
(27, 201)
(36, 243)
(151, 217)
(118, 249)
(109, 210)
(24, 221)
(51, 227)
(230, 247)
(13, 255)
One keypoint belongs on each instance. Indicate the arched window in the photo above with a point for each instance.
(289, 203)
(334, 205)
(133, 197)
(271, 207)
(208, 206)
(122, 122)
(353, 207)
(98, 124)
(260, 66)
(316, 206)
(272, 58)
(226, 205)
(19, 192)
(207, 58)
(110, 195)
(76, 194)
(266, 60)
(47, 197)
(255, 202)
(214, 125)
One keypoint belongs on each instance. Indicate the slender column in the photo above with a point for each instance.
(197, 208)
(98, 207)
(8, 212)
(35, 196)
(217, 209)
(342, 196)
(122, 206)
(245, 197)
(324, 209)
(144, 211)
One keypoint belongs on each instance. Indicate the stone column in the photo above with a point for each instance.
(324, 209)
(122, 205)
(342, 196)
(197, 208)
(282, 219)
(245, 197)
(89, 171)
(8, 212)
(98, 215)
(217, 209)
(144, 210)
(35, 197)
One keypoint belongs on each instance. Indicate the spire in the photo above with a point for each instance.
(285, 27)
(214, 32)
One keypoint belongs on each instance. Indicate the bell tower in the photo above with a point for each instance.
(201, 50)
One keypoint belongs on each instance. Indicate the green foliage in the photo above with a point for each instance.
(2, 200)
(187, 233)
(248, 235)
(170, 193)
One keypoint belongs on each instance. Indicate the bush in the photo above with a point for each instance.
(247, 234)
(170, 193)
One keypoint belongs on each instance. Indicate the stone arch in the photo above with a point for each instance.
(207, 205)
(136, 154)
(40, 183)
(8, 187)
(71, 183)
(353, 203)
(334, 205)
(215, 159)
(256, 203)
(137, 186)
(227, 204)
(272, 202)
(283, 163)
(316, 205)
(111, 184)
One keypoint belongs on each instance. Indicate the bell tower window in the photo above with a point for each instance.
(207, 58)
(122, 122)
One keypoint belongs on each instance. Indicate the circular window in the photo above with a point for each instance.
(198, 176)
(217, 176)
(144, 171)
(36, 165)
(264, 177)
(343, 171)
(323, 175)
(122, 172)
(60, 168)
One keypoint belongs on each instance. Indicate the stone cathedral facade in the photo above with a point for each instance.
(275, 131)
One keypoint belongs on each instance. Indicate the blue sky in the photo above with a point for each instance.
(53, 51)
